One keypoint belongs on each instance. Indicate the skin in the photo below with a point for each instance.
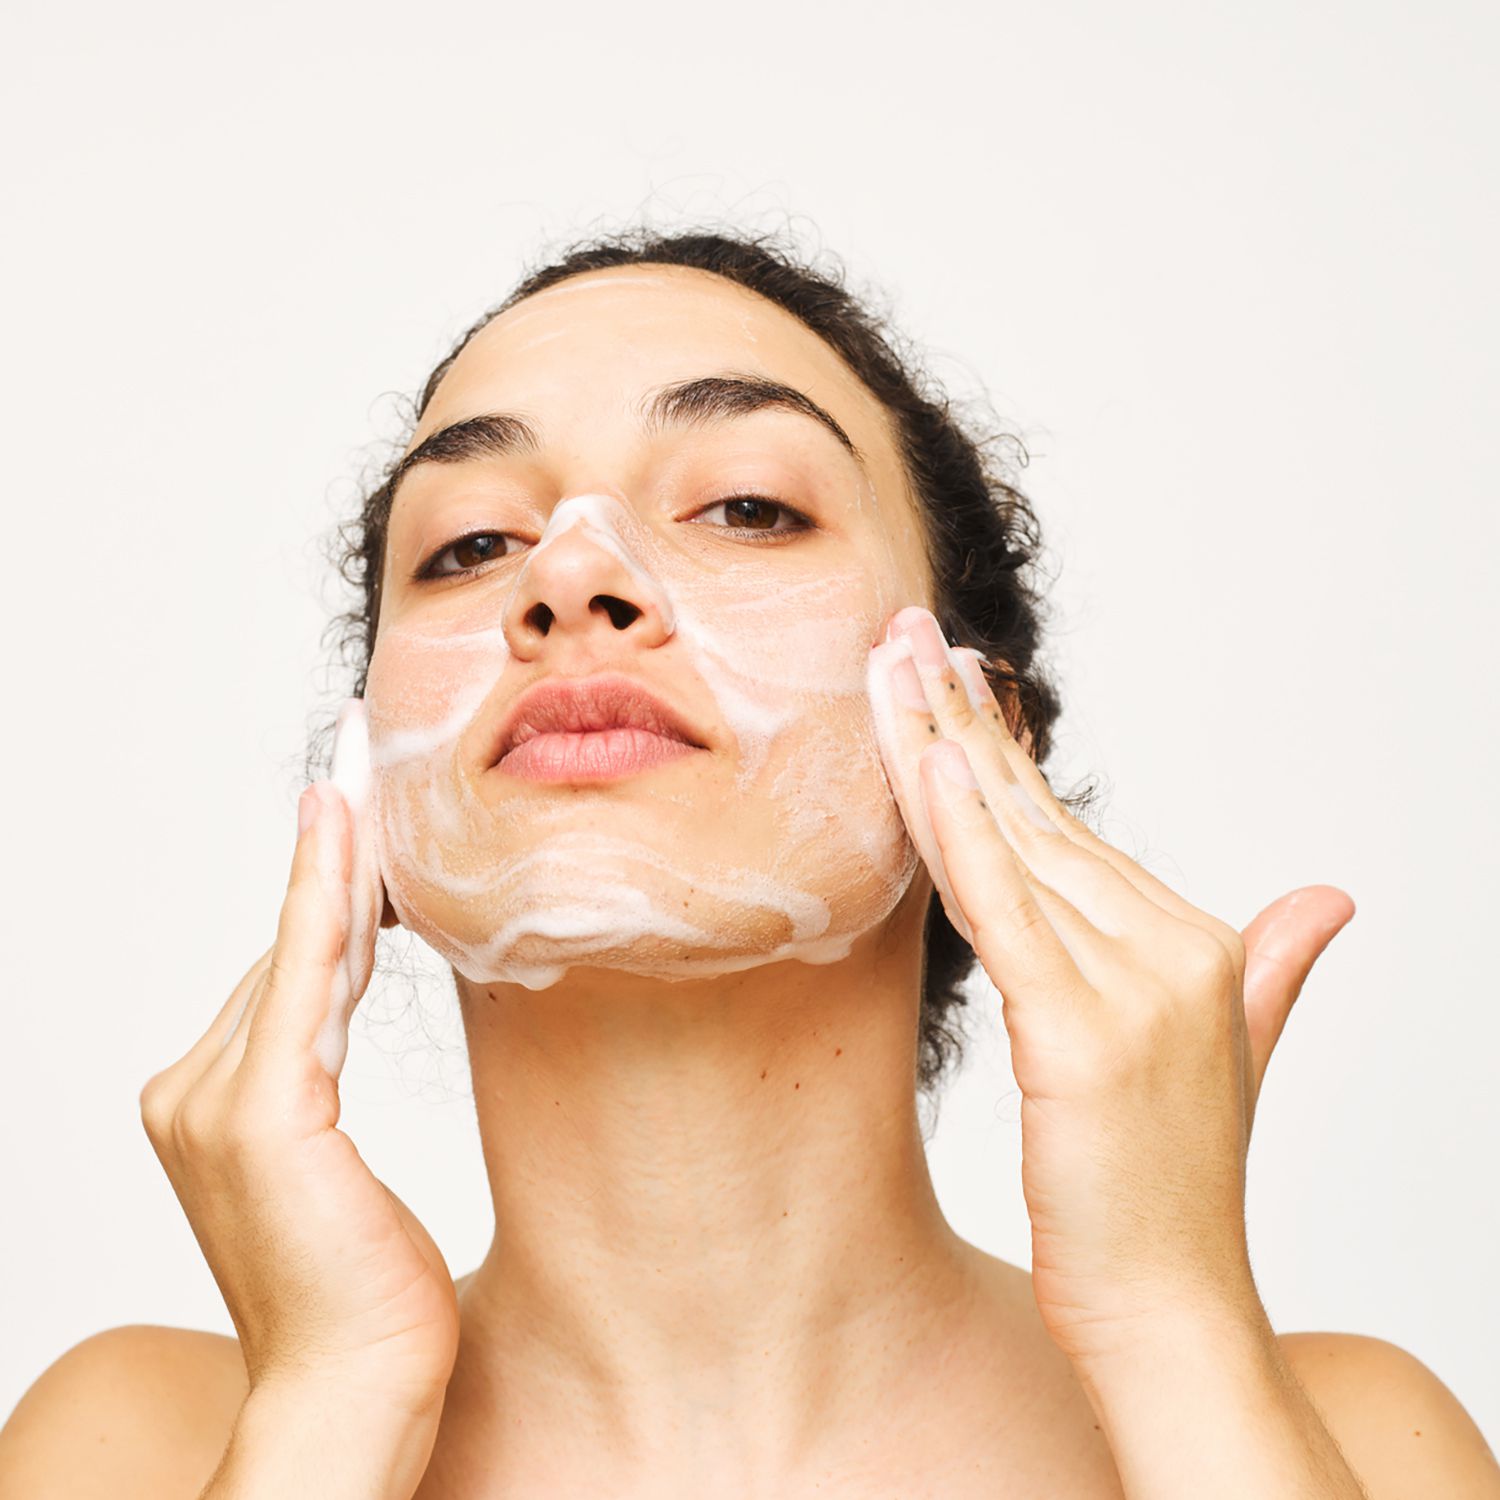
(681, 1170)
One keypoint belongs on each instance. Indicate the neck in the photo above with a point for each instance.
(712, 1201)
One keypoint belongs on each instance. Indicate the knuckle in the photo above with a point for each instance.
(152, 1090)
(1025, 919)
(1226, 936)
(155, 1105)
(1234, 946)
(284, 972)
(195, 1123)
(960, 711)
(292, 963)
(279, 972)
(1205, 961)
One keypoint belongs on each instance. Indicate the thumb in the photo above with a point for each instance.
(1281, 946)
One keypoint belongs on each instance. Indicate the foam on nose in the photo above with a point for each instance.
(607, 521)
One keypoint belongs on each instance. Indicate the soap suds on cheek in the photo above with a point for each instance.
(792, 852)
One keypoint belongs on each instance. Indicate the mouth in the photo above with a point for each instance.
(590, 729)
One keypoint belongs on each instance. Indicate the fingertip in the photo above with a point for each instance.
(1332, 903)
(307, 809)
(337, 819)
(315, 804)
(946, 761)
(322, 850)
(305, 850)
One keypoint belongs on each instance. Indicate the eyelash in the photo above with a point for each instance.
(802, 522)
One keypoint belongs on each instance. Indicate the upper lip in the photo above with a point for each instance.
(578, 705)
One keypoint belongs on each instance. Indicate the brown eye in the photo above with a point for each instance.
(756, 513)
(468, 552)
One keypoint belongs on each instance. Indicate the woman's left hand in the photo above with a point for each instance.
(1140, 1027)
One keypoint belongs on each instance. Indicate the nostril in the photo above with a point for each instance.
(621, 612)
(540, 618)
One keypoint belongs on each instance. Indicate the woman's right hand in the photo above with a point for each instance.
(326, 1273)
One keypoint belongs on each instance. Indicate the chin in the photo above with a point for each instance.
(679, 874)
(578, 903)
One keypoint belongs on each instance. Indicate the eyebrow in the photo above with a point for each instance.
(698, 402)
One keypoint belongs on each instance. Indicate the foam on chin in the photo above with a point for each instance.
(641, 874)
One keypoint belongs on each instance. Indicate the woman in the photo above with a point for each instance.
(698, 708)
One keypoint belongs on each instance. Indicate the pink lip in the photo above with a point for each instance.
(599, 755)
(589, 729)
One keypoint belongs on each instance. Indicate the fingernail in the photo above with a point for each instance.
(307, 808)
(927, 643)
(950, 762)
(907, 686)
(919, 628)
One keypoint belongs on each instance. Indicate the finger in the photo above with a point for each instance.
(1282, 944)
(174, 1081)
(904, 727)
(1028, 774)
(1032, 942)
(232, 1053)
(310, 937)
(1092, 885)
(1016, 760)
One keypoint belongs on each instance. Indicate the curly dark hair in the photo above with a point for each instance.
(982, 536)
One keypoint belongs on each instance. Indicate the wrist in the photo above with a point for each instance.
(328, 1439)
(1204, 1402)
(1181, 1335)
(1110, 1314)
(378, 1406)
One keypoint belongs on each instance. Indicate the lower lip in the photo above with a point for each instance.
(599, 755)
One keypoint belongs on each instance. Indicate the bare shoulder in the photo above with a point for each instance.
(1401, 1430)
(139, 1410)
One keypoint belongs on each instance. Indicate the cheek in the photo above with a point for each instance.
(837, 824)
(777, 655)
(809, 636)
(789, 669)
(423, 687)
(422, 691)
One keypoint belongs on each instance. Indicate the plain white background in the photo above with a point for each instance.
(1228, 271)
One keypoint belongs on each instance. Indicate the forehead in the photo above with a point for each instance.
(583, 351)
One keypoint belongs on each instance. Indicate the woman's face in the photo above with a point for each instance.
(632, 524)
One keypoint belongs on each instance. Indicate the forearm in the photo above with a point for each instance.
(1210, 1407)
(295, 1442)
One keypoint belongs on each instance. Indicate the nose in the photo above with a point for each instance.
(581, 585)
